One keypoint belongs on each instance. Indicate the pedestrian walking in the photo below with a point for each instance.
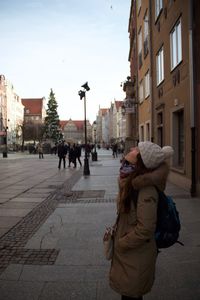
(62, 154)
(78, 153)
(143, 171)
(114, 150)
(72, 156)
(40, 150)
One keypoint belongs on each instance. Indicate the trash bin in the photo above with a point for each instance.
(5, 154)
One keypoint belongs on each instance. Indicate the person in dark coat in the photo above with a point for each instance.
(114, 150)
(62, 151)
(78, 153)
(72, 156)
(40, 150)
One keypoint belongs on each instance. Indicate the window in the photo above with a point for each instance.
(160, 66)
(146, 84)
(141, 133)
(146, 25)
(160, 128)
(140, 48)
(141, 91)
(176, 45)
(139, 2)
(148, 137)
(146, 34)
(158, 7)
(139, 41)
(178, 138)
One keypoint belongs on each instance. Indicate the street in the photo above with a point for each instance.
(51, 227)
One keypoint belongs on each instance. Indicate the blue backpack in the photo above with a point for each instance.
(168, 222)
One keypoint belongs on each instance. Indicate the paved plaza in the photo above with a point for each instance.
(51, 227)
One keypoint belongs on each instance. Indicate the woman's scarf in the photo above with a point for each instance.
(127, 173)
(126, 169)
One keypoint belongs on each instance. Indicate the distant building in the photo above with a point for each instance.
(11, 114)
(3, 108)
(34, 111)
(118, 121)
(74, 131)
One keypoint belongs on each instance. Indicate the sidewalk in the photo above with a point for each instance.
(64, 258)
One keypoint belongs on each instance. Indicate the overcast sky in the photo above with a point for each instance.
(61, 44)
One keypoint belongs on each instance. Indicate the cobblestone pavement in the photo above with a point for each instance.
(12, 243)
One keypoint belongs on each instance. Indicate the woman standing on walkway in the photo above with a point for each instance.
(133, 264)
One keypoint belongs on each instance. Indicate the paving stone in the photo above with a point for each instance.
(8, 222)
(69, 290)
(3, 200)
(11, 212)
(20, 290)
(34, 195)
(53, 273)
(15, 188)
(12, 272)
(28, 199)
(40, 191)
(18, 205)
(104, 292)
(9, 195)
(3, 230)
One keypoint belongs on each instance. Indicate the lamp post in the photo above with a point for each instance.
(94, 154)
(82, 94)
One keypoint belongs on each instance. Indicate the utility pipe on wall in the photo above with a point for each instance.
(192, 103)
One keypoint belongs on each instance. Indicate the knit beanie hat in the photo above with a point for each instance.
(153, 155)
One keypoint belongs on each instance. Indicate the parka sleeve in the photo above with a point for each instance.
(146, 220)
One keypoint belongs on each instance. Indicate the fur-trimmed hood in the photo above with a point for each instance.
(157, 177)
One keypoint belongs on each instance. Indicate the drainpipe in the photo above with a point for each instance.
(151, 70)
(192, 103)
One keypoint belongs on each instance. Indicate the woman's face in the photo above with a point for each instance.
(134, 152)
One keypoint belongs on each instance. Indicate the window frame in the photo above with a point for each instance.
(147, 84)
(148, 131)
(160, 66)
(141, 132)
(176, 53)
(158, 8)
(139, 4)
(146, 25)
(141, 91)
(139, 40)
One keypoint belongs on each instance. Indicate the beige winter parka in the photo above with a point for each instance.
(133, 265)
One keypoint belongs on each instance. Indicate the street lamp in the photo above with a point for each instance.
(94, 154)
(82, 94)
